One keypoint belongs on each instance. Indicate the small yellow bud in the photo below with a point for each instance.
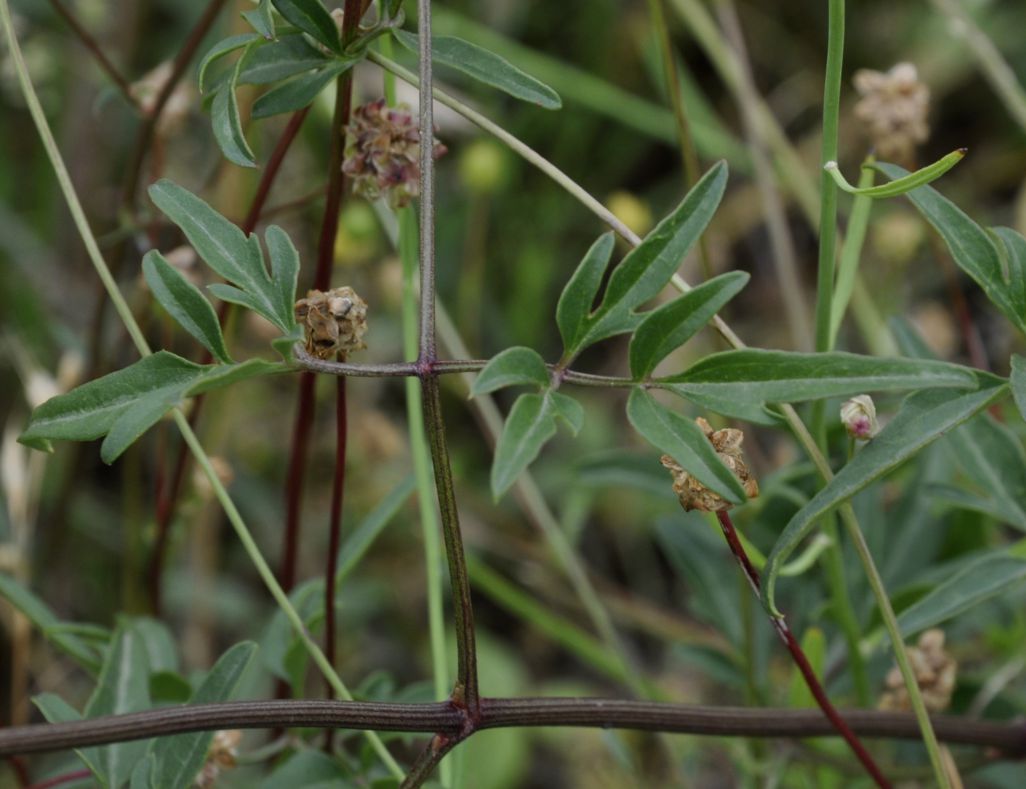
(630, 210)
(484, 166)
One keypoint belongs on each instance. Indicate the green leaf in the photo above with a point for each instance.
(992, 457)
(300, 91)
(579, 294)
(143, 774)
(486, 67)
(684, 441)
(511, 367)
(184, 302)
(284, 271)
(899, 186)
(530, 424)
(135, 420)
(667, 328)
(227, 124)
(1018, 381)
(647, 268)
(233, 295)
(124, 404)
(754, 413)
(304, 768)
(973, 250)
(758, 376)
(1014, 248)
(123, 687)
(311, 17)
(43, 617)
(261, 20)
(923, 417)
(219, 50)
(90, 411)
(981, 580)
(218, 376)
(224, 247)
(278, 60)
(181, 757)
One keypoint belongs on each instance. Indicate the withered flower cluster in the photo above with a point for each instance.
(334, 322)
(693, 494)
(383, 152)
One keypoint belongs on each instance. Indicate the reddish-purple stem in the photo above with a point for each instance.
(818, 693)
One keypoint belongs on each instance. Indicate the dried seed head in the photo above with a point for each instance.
(223, 753)
(693, 494)
(859, 417)
(934, 670)
(893, 110)
(383, 153)
(334, 322)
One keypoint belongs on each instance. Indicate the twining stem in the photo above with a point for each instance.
(1007, 736)
(798, 655)
(132, 327)
(430, 528)
(97, 52)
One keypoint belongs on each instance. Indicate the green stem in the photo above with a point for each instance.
(851, 251)
(132, 327)
(828, 189)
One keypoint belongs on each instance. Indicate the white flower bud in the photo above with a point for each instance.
(859, 417)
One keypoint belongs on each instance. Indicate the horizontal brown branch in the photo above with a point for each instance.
(439, 367)
(441, 717)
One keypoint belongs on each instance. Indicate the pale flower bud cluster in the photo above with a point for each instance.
(893, 111)
(858, 416)
(693, 494)
(934, 670)
(383, 153)
(223, 755)
(334, 322)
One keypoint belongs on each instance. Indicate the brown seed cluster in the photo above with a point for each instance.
(693, 494)
(383, 152)
(893, 111)
(334, 322)
(935, 674)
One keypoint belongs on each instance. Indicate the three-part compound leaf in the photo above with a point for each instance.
(277, 60)
(230, 252)
(648, 267)
(486, 67)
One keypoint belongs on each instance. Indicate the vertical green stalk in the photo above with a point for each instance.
(132, 327)
(828, 189)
